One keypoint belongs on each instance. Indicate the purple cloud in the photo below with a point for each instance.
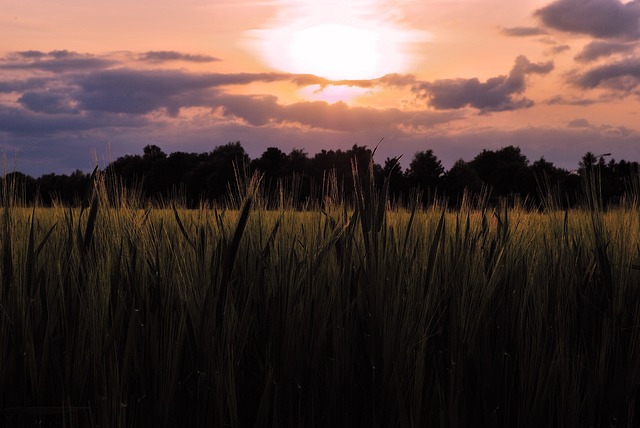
(48, 102)
(621, 76)
(19, 122)
(602, 49)
(524, 31)
(496, 94)
(20, 85)
(265, 110)
(559, 49)
(560, 100)
(57, 61)
(164, 56)
(603, 19)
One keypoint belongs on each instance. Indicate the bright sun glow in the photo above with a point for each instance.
(335, 52)
(335, 39)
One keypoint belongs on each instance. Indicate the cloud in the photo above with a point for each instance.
(559, 49)
(48, 102)
(605, 19)
(63, 60)
(140, 91)
(496, 94)
(77, 99)
(19, 85)
(132, 91)
(388, 80)
(19, 122)
(620, 76)
(600, 49)
(31, 54)
(57, 61)
(579, 123)
(163, 56)
(605, 130)
(524, 31)
(143, 91)
(265, 110)
(560, 100)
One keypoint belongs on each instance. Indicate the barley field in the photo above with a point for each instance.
(357, 314)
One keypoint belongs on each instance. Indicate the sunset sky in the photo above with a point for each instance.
(85, 80)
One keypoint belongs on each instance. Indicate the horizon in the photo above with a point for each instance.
(556, 78)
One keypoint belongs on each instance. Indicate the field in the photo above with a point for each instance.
(118, 315)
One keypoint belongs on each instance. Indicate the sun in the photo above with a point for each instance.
(337, 40)
(335, 51)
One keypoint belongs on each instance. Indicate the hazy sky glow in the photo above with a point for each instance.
(81, 79)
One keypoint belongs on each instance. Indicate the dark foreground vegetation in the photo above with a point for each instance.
(197, 176)
(124, 314)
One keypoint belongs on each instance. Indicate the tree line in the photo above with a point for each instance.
(208, 176)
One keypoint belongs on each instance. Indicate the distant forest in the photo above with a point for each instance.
(194, 177)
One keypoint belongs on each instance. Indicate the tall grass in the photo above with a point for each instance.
(118, 314)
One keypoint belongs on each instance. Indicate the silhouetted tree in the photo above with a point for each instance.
(273, 163)
(549, 180)
(298, 160)
(153, 153)
(64, 189)
(460, 178)
(220, 168)
(23, 186)
(130, 168)
(425, 172)
(587, 163)
(208, 175)
(398, 186)
(505, 170)
(341, 162)
(300, 185)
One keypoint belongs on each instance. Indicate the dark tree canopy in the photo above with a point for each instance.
(425, 173)
(208, 175)
(505, 170)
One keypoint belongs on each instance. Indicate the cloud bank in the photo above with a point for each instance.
(604, 19)
(496, 94)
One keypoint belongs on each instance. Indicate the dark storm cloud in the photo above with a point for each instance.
(496, 94)
(598, 18)
(621, 76)
(601, 49)
(163, 56)
(524, 31)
